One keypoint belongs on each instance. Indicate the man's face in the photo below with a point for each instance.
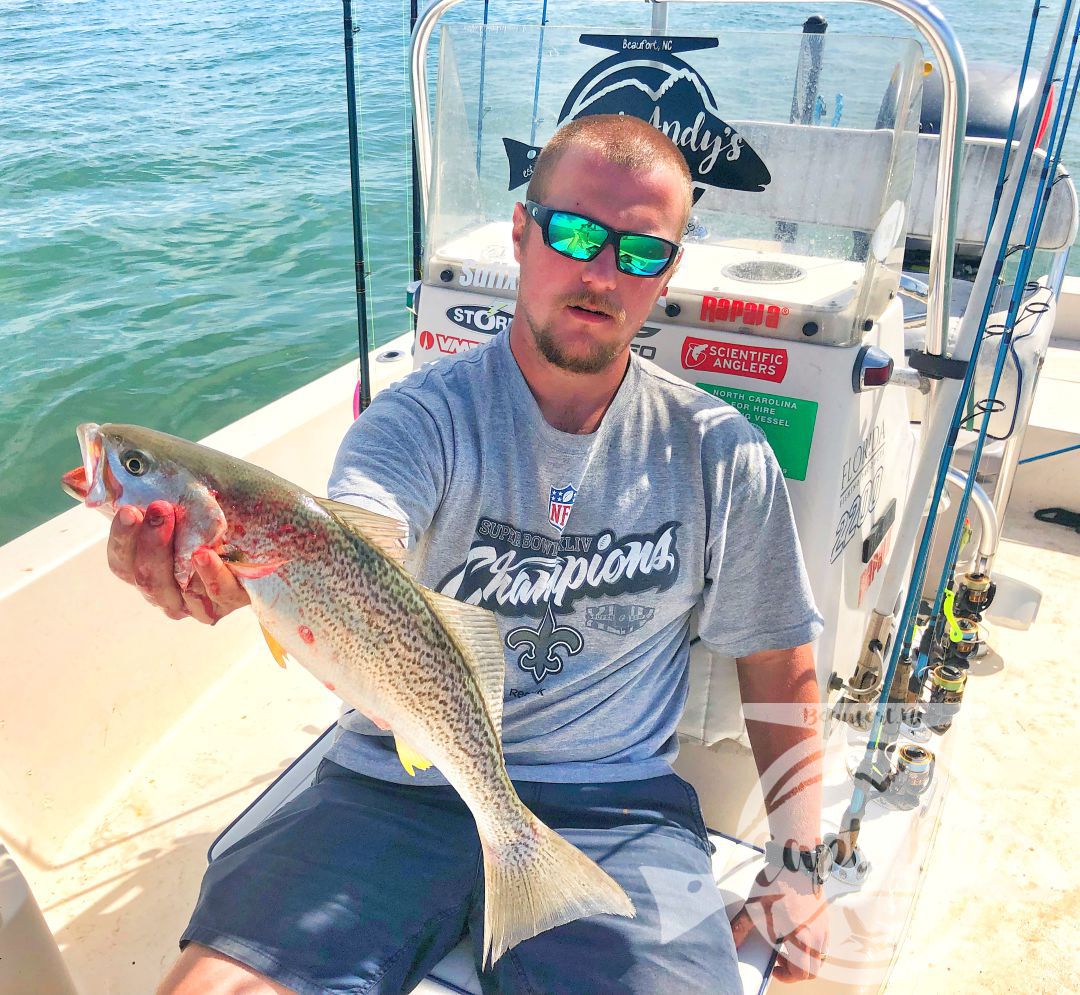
(557, 296)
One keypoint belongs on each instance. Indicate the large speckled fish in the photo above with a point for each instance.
(327, 585)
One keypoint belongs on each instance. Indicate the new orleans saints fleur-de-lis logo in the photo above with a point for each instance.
(540, 657)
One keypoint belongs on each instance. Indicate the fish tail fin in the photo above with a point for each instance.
(539, 882)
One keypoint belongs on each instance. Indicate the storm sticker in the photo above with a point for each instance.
(480, 317)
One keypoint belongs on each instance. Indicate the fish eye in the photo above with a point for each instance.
(135, 462)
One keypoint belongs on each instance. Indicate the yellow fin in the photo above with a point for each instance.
(276, 648)
(388, 535)
(410, 758)
(477, 634)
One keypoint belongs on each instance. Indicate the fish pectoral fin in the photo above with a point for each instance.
(252, 570)
(410, 758)
(276, 648)
(477, 634)
(388, 535)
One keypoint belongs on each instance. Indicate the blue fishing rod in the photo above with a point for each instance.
(536, 84)
(417, 221)
(901, 644)
(999, 189)
(1055, 145)
(480, 102)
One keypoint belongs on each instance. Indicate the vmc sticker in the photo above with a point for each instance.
(448, 345)
(735, 359)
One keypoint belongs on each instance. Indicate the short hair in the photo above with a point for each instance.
(620, 139)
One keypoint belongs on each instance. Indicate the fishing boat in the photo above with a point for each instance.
(874, 274)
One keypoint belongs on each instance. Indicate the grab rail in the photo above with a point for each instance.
(926, 19)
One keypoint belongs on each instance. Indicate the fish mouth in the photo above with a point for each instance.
(89, 483)
(74, 483)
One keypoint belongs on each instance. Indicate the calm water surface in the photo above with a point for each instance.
(175, 223)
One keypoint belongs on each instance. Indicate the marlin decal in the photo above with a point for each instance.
(645, 79)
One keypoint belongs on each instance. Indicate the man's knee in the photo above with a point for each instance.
(202, 971)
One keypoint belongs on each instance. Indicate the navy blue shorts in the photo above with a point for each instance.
(360, 885)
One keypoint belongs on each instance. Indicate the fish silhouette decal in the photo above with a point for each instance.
(646, 79)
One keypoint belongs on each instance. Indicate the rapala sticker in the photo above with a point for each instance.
(788, 424)
(562, 500)
(739, 312)
(480, 317)
(647, 80)
(734, 359)
(449, 344)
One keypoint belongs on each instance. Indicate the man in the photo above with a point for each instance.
(592, 501)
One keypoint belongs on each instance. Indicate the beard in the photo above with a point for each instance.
(598, 357)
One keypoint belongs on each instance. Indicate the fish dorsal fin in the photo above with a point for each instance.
(477, 632)
(388, 534)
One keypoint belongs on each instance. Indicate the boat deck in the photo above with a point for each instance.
(1000, 891)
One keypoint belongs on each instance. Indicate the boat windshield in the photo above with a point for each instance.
(801, 149)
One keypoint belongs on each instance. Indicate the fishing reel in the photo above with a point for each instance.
(910, 777)
(974, 594)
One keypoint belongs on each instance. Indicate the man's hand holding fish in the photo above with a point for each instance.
(140, 552)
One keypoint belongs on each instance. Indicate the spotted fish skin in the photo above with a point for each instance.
(334, 600)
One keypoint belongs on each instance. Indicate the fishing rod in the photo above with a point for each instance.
(1029, 244)
(1055, 147)
(363, 397)
(940, 436)
(417, 220)
(480, 101)
(999, 188)
(539, 60)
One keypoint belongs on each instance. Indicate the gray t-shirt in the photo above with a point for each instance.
(591, 549)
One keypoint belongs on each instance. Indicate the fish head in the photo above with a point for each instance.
(125, 465)
(119, 470)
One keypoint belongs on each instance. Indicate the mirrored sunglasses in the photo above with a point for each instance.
(582, 238)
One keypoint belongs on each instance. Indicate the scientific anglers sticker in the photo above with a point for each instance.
(788, 423)
(735, 359)
(647, 80)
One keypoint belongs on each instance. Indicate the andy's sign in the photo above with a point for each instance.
(646, 79)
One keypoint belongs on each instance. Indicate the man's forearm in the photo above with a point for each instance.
(780, 695)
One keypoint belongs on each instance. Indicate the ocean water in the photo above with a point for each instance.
(175, 219)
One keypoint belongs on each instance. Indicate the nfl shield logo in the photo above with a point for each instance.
(562, 500)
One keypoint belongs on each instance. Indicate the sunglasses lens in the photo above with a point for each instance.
(575, 237)
(643, 255)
